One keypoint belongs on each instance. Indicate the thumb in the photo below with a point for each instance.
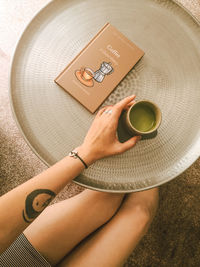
(130, 143)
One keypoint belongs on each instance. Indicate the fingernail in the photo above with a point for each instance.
(130, 96)
(139, 137)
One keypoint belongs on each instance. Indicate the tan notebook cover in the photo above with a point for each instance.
(93, 74)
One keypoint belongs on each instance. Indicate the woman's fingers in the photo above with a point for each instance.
(101, 111)
(129, 105)
(129, 144)
(123, 103)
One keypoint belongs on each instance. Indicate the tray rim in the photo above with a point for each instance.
(195, 155)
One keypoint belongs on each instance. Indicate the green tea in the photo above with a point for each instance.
(142, 117)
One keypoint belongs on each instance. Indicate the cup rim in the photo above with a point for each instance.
(158, 123)
(85, 71)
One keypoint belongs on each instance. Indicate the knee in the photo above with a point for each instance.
(153, 202)
(138, 216)
(114, 201)
(142, 204)
(143, 213)
(110, 201)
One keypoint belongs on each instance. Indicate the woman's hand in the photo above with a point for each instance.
(101, 140)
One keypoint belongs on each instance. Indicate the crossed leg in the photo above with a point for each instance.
(111, 244)
(61, 226)
(57, 233)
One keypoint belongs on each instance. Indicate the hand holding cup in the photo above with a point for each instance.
(101, 140)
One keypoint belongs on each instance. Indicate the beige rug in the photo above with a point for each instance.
(174, 237)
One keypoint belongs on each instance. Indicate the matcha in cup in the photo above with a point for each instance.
(142, 118)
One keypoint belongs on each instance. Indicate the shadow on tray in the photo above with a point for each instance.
(123, 135)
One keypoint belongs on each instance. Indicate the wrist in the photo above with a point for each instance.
(86, 155)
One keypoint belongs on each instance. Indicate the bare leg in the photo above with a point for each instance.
(110, 245)
(63, 225)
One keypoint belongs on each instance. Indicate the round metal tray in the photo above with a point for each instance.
(53, 123)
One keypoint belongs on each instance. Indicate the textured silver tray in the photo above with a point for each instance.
(53, 123)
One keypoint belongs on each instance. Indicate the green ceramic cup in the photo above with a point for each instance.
(142, 118)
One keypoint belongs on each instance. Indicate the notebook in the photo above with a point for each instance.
(99, 67)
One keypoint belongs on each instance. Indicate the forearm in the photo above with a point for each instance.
(23, 204)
